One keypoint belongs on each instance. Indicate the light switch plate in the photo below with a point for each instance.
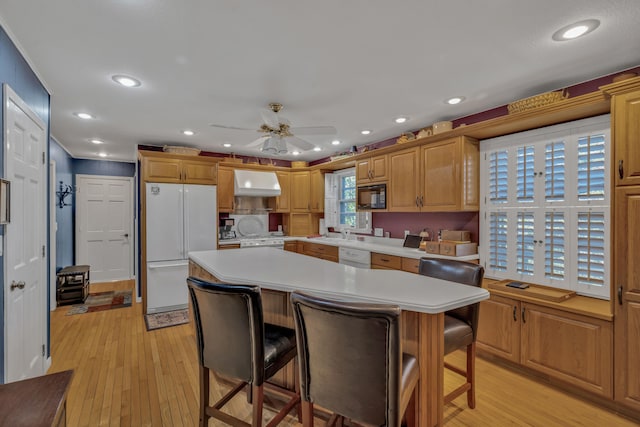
(378, 232)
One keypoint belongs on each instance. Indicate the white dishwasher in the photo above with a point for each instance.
(354, 257)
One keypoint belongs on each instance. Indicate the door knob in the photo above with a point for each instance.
(19, 285)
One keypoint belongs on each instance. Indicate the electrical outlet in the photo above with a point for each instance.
(406, 232)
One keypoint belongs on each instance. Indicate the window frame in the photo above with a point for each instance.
(333, 201)
(570, 205)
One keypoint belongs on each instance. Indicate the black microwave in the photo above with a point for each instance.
(370, 197)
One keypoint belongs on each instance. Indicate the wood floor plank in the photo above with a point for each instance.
(128, 376)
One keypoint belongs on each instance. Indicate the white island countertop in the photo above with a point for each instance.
(280, 270)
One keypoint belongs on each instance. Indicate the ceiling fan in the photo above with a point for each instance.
(278, 133)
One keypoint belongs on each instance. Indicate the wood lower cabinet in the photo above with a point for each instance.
(385, 262)
(574, 348)
(411, 265)
(318, 250)
(225, 189)
(627, 295)
(499, 327)
(291, 246)
(163, 167)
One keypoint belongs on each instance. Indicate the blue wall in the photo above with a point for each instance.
(15, 71)
(64, 215)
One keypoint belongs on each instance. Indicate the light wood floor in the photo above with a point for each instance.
(126, 376)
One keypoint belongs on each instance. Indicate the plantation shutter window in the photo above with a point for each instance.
(340, 202)
(545, 209)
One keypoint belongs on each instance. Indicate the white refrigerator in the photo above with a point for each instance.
(179, 218)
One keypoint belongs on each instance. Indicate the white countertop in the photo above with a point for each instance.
(380, 245)
(280, 270)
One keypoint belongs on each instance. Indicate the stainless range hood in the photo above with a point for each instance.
(255, 183)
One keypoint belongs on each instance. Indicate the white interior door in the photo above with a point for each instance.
(25, 259)
(104, 226)
(53, 228)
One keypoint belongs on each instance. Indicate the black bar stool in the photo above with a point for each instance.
(234, 341)
(351, 361)
(461, 324)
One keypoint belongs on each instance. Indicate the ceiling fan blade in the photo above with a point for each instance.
(258, 141)
(299, 143)
(230, 127)
(314, 130)
(270, 118)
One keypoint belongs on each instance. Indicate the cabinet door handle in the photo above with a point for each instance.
(524, 320)
(620, 169)
(620, 295)
(515, 313)
(417, 201)
(421, 201)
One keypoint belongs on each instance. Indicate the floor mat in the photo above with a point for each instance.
(166, 319)
(101, 301)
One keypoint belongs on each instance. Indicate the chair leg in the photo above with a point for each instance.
(410, 413)
(307, 414)
(471, 375)
(258, 399)
(296, 379)
(204, 396)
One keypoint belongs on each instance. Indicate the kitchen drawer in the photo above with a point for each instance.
(319, 250)
(412, 265)
(386, 261)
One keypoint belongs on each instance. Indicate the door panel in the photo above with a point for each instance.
(104, 219)
(25, 266)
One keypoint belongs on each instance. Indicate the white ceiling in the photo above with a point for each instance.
(354, 64)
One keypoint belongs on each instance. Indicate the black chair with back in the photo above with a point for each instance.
(234, 341)
(461, 324)
(351, 361)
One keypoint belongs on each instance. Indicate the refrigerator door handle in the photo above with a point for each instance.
(154, 265)
(180, 221)
(187, 225)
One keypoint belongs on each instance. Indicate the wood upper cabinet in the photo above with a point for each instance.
(442, 176)
(282, 202)
(300, 191)
(316, 198)
(403, 189)
(451, 175)
(627, 295)
(178, 171)
(225, 189)
(373, 169)
(499, 327)
(574, 348)
(626, 135)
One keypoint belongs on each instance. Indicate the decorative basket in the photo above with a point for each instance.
(406, 137)
(537, 101)
(176, 149)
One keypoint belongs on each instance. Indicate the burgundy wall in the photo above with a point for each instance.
(395, 222)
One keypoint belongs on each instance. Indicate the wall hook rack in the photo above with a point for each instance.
(62, 193)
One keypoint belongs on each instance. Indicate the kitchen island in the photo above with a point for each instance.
(422, 299)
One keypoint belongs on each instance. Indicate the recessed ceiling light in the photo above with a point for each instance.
(84, 116)
(365, 132)
(96, 141)
(188, 132)
(126, 80)
(400, 120)
(335, 142)
(317, 149)
(455, 100)
(226, 144)
(575, 30)
(295, 153)
(102, 154)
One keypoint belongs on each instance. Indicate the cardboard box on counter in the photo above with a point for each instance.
(458, 249)
(456, 235)
(432, 247)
